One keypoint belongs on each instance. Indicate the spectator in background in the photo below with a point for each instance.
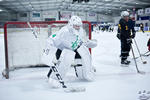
(142, 27)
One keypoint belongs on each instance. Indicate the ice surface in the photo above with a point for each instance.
(112, 82)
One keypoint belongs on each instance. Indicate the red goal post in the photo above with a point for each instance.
(19, 41)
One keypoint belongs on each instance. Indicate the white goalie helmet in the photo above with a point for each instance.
(124, 13)
(75, 22)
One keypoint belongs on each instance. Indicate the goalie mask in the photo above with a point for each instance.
(75, 22)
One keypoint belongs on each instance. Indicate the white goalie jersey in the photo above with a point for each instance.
(67, 38)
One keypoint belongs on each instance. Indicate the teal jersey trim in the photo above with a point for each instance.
(75, 43)
(53, 35)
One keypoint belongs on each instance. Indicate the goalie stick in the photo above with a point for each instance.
(33, 31)
(66, 89)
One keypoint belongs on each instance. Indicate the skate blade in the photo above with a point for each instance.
(123, 65)
(74, 89)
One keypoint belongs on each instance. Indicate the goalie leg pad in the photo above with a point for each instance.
(86, 70)
(66, 59)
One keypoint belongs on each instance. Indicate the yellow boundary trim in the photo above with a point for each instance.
(144, 31)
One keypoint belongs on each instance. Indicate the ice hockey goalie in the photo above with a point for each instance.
(69, 47)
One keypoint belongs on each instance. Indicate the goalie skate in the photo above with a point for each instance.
(74, 89)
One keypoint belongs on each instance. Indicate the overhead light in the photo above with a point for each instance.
(108, 0)
(1, 10)
(79, 1)
(128, 10)
(136, 3)
(30, 5)
(83, 2)
(1, 0)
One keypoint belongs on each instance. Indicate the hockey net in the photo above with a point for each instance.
(25, 42)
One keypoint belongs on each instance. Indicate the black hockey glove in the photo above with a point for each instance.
(118, 36)
(133, 35)
(129, 41)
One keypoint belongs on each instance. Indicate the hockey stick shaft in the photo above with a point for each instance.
(49, 73)
(144, 54)
(138, 50)
(66, 89)
(134, 59)
(55, 70)
(33, 31)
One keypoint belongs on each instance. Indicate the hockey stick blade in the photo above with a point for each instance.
(146, 55)
(141, 72)
(144, 62)
(74, 89)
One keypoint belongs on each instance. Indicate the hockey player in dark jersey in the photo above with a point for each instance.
(125, 28)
